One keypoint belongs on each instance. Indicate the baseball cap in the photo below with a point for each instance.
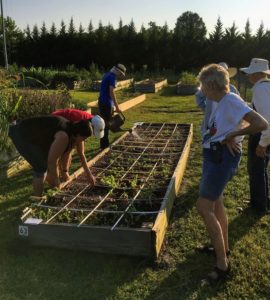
(98, 126)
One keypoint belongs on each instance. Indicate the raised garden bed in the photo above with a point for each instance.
(150, 85)
(120, 84)
(186, 89)
(125, 105)
(127, 212)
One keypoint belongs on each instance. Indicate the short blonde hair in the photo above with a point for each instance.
(215, 77)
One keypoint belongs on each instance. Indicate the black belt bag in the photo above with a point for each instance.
(216, 152)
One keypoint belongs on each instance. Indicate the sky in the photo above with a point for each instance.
(31, 12)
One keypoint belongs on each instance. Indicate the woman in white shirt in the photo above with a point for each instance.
(231, 119)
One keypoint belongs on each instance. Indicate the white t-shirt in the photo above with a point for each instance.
(261, 102)
(226, 118)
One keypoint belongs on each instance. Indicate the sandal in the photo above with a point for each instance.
(216, 276)
(209, 250)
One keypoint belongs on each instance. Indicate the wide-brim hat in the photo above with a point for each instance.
(120, 68)
(257, 65)
(232, 71)
(98, 125)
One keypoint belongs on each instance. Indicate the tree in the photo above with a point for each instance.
(35, 32)
(62, 28)
(217, 34)
(71, 28)
(43, 30)
(189, 38)
(53, 31)
(247, 33)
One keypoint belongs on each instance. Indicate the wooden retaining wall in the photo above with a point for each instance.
(125, 105)
(146, 86)
(120, 84)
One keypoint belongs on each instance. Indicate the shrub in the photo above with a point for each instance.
(66, 78)
(188, 78)
(36, 103)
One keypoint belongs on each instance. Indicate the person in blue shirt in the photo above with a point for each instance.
(107, 98)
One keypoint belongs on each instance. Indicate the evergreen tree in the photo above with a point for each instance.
(35, 32)
(71, 28)
(247, 33)
(27, 32)
(62, 28)
(43, 30)
(81, 30)
(53, 31)
(217, 34)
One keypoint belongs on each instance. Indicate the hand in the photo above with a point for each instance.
(261, 151)
(92, 179)
(65, 176)
(118, 109)
(53, 181)
(229, 137)
(233, 146)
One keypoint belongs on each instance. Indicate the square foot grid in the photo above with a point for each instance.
(132, 180)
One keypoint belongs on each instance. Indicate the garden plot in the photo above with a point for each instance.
(127, 211)
(150, 86)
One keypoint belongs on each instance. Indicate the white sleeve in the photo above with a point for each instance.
(261, 100)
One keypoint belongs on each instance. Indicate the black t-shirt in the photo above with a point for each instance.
(41, 130)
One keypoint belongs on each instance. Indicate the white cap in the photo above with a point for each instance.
(98, 126)
(232, 71)
(257, 65)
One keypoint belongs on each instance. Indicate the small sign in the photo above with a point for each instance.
(33, 221)
(23, 230)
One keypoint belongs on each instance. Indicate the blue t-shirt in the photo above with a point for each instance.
(109, 79)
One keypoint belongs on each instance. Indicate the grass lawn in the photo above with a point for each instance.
(43, 273)
(86, 96)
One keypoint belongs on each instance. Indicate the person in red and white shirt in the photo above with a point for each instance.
(98, 126)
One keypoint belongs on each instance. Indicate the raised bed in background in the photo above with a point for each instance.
(119, 85)
(127, 212)
(125, 105)
(186, 89)
(149, 85)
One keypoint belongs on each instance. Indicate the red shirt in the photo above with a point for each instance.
(72, 114)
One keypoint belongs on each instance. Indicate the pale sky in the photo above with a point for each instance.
(141, 11)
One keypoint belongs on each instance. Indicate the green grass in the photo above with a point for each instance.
(42, 273)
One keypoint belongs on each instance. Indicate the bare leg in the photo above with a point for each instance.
(206, 209)
(38, 185)
(221, 216)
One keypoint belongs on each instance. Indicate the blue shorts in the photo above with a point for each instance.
(215, 176)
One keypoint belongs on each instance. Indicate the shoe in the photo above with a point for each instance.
(216, 276)
(209, 250)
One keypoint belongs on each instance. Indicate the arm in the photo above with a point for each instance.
(113, 97)
(64, 164)
(200, 100)
(80, 151)
(256, 124)
(56, 150)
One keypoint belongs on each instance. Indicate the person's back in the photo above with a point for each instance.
(109, 79)
(41, 130)
(72, 114)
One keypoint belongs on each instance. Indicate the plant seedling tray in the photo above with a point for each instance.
(128, 210)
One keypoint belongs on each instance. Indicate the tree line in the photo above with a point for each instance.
(187, 46)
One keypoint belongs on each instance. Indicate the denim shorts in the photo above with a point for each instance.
(33, 154)
(215, 175)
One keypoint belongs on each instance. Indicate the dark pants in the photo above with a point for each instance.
(32, 153)
(105, 111)
(258, 178)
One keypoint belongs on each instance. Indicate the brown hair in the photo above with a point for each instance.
(82, 128)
